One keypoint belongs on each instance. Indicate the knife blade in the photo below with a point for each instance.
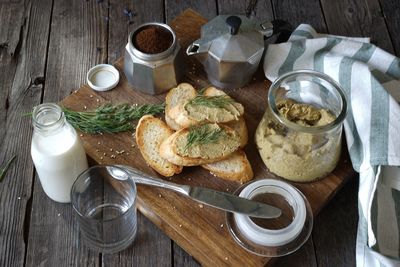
(232, 203)
(214, 198)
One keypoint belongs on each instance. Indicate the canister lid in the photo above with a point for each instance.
(102, 77)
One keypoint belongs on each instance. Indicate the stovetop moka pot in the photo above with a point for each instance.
(231, 47)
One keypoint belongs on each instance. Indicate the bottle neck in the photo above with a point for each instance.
(48, 118)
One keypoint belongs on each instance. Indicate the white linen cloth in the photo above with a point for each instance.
(370, 78)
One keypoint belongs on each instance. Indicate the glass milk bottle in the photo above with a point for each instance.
(57, 152)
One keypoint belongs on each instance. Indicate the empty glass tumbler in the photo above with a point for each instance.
(104, 200)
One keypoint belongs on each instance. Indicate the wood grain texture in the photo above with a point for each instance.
(261, 10)
(120, 25)
(13, 16)
(335, 229)
(195, 228)
(298, 11)
(77, 28)
(21, 89)
(357, 18)
(207, 8)
(391, 14)
(182, 258)
(152, 247)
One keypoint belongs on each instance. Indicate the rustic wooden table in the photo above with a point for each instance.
(46, 48)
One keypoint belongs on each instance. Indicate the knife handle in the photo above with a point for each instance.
(142, 178)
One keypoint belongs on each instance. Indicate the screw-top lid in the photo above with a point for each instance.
(102, 77)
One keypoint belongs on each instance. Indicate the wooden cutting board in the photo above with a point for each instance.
(200, 230)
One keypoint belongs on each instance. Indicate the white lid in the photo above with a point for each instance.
(102, 77)
(272, 242)
(268, 237)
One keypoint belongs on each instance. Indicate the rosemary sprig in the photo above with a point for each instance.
(203, 134)
(3, 170)
(109, 118)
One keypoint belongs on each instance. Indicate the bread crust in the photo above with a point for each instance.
(149, 151)
(240, 161)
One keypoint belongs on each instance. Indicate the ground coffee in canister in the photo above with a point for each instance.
(152, 40)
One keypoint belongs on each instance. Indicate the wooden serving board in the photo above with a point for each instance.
(200, 230)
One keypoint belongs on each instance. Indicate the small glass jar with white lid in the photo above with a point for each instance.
(299, 136)
(56, 151)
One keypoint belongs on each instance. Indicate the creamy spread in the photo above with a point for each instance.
(226, 144)
(213, 114)
(295, 155)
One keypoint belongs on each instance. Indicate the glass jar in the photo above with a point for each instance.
(299, 136)
(57, 152)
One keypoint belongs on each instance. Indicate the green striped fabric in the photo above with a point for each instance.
(370, 78)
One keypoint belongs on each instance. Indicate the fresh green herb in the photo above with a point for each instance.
(3, 170)
(219, 101)
(109, 118)
(202, 90)
(203, 134)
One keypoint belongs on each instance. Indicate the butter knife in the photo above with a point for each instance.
(214, 198)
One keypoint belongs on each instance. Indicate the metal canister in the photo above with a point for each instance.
(153, 73)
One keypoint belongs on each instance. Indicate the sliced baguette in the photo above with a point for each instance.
(172, 148)
(150, 133)
(236, 167)
(235, 108)
(186, 116)
(180, 94)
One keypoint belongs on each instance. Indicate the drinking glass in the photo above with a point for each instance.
(104, 200)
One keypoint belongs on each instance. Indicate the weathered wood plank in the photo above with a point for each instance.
(262, 10)
(208, 8)
(12, 20)
(182, 258)
(77, 28)
(121, 24)
(152, 247)
(335, 229)
(357, 18)
(22, 64)
(173, 8)
(391, 14)
(297, 12)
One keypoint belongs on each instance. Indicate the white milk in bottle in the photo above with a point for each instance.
(57, 152)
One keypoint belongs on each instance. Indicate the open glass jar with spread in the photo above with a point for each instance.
(299, 136)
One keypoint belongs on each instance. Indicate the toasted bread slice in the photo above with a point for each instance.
(176, 150)
(235, 108)
(150, 133)
(187, 114)
(175, 96)
(172, 123)
(236, 167)
(241, 128)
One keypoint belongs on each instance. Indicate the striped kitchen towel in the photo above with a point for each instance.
(371, 80)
